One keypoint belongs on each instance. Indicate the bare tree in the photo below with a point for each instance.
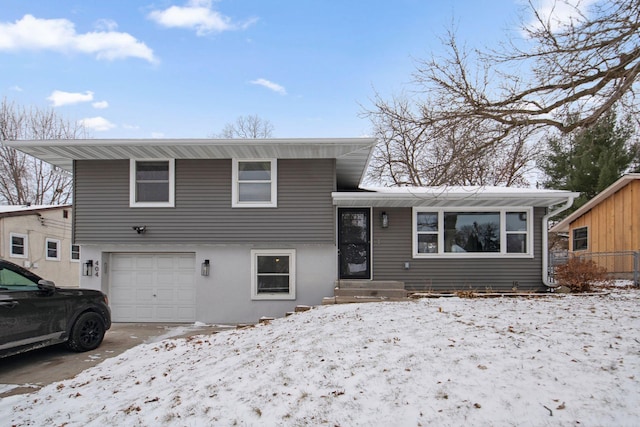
(25, 179)
(477, 105)
(251, 126)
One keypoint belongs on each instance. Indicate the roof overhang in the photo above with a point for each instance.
(18, 210)
(451, 197)
(352, 154)
(563, 226)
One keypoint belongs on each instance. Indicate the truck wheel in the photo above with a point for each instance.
(87, 333)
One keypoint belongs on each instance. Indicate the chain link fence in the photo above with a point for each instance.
(619, 265)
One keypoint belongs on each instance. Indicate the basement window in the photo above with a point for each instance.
(273, 274)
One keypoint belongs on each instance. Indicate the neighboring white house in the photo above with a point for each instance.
(39, 238)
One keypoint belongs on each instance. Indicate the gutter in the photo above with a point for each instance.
(545, 238)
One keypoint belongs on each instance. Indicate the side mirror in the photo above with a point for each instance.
(46, 285)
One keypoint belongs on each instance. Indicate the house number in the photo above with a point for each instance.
(97, 268)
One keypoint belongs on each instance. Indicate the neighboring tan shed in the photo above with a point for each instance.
(608, 223)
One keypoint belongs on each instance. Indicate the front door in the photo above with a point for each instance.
(354, 243)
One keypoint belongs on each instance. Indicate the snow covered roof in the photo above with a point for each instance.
(351, 154)
(451, 196)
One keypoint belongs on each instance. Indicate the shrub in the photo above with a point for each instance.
(580, 275)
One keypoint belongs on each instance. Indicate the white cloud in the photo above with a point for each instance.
(106, 25)
(59, 98)
(270, 85)
(100, 105)
(60, 35)
(130, 127)
(197, 15)
(98, 124)
(16, 88)
(559, 13)
(157, 135)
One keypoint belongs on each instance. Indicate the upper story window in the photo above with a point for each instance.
(580, 239)
(19, 245)
(473, 233)
(152, 183)
(52, 249)
(254, 183)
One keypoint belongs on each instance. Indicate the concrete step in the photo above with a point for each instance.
(368, 292)
(361, 299)
(369, 284)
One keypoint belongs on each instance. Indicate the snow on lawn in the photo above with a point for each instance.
(546, 361)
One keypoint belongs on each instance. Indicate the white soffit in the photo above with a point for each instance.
(351, 154)
(452, 196)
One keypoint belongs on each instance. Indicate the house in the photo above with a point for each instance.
(232, 230)
(39, 239)
(606, 225)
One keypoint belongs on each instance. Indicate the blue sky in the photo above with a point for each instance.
(183, 69)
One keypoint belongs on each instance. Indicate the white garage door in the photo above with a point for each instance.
(152, 287)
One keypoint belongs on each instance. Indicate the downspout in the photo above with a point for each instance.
(545, 239)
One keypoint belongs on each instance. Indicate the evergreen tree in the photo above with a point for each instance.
(591, 159)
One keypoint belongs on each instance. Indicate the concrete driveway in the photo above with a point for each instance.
(27, 372)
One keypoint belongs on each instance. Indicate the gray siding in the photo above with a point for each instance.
(392, 248)
(202, 212)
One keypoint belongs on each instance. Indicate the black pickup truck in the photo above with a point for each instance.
(35, 313)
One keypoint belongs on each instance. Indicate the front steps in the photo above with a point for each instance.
(356, 291)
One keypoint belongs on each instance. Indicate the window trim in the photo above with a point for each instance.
(503, 233)
(71, 258)
(46, 249)
(235, 194)
(25, 245)
(291, 295)
(573, 239)
(133, 202)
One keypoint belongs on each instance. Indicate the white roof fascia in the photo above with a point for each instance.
(452, 197)
(352, 154)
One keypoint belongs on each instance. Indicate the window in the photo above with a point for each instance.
(75, 252)
(19, 245)
(254, 183)
(580, 239)
(517, 231)
(152, 183)
(53, 249)
(273, 274)
(473, 233)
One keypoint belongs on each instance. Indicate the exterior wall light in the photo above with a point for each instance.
(205, 268)
(88, 268)
(384, 218)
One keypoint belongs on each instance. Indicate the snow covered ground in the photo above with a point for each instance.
(546, 361)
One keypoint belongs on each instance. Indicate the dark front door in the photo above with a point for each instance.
(354, 248)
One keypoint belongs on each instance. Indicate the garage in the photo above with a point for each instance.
(152, 287)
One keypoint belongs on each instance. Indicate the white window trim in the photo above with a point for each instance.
(132, 185)
(71, 253)
(291, 295)
(26, 245)
(503, 233)
(46, 249)
(273, 203)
